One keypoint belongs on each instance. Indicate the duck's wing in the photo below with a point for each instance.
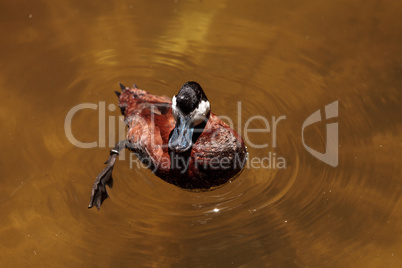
(149, 120)
(134, 101)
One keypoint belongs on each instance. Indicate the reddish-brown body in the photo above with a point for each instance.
(218, 152)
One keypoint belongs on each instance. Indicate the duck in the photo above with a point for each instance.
(179, 139)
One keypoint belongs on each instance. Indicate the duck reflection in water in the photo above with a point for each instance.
(179, 139)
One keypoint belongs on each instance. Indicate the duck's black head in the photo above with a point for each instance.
(190, 108)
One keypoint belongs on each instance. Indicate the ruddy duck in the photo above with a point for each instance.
(179, 139)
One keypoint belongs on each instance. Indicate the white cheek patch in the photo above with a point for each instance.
(174, 108)
(200, 113)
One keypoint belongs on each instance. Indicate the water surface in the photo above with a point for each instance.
(277, 58)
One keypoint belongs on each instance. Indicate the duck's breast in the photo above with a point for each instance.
(219, 150)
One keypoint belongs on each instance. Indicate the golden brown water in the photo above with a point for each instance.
(278, 58)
